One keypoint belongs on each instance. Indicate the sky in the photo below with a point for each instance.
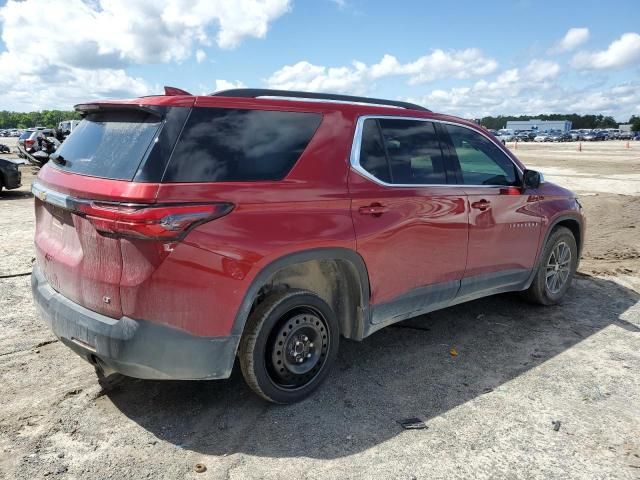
(466, 58)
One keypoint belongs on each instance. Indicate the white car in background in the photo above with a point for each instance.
(506, 135)
(541, 137)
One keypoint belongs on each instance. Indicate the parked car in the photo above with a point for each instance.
(525, 136)
(175, 232)
(31, 140)
(10, 176)
(66, 127)
(559, 137)
(594, 136)
(541, 137)
(506, 135)
(575, 135)
(625, 135)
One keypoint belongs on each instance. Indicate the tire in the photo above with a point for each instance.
(288, 347)
(560, 243)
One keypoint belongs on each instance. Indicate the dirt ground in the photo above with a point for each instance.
(489, 410)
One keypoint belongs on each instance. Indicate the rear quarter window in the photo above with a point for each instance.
(227, 145)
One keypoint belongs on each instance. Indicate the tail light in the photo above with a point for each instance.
(29, 143)
(159, 222)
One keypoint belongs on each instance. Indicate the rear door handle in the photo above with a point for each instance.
(374, 209)
(481, 204)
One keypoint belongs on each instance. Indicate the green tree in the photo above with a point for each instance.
(46, 118)
(635, 123)
(577, 121)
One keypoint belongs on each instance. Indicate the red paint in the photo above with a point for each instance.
(419, 240)
(504, 230)
(408, 237)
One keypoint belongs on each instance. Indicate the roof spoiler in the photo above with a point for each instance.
(173, 91)
(87, 108)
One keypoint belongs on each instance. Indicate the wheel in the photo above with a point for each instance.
(556, 268)
(288, 346)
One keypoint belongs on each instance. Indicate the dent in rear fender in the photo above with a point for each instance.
(329, 253)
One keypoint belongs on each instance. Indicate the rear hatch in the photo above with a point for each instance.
(79, 197)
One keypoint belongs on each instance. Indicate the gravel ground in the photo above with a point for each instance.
(489, 410)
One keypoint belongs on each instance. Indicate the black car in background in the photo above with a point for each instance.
(558, 136)
(10, 176)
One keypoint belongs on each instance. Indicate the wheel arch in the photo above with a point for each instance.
(571, 221)
(338, 275)
(573, 224)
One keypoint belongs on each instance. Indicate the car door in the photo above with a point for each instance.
(504, 223)
(411, 226)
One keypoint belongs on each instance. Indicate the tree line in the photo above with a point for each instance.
(45, 118)
(577, 121)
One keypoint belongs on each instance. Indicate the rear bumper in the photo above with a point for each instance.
(136, 348)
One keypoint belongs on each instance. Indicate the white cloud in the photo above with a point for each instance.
(75, 49)
(622, 52)
(341, 4)
(227, 85)
(357, 77)
(541, 70)
(200, 55)
(513, 93)
(572, 39)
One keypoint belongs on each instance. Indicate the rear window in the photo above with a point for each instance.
(25, 135)
(109, 144)
(226, 145)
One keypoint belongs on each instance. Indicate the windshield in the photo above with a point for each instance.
(109, 144)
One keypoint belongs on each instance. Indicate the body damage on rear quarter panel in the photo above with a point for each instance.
(199, 286)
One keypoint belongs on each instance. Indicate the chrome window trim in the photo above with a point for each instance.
(354, 158)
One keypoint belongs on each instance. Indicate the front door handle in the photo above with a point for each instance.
(374, 209)
(481, 204)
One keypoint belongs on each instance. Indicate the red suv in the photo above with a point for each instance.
(176, 232)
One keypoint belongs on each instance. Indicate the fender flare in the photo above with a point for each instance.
(329, 253)
(552, 225)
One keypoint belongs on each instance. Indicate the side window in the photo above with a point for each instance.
(227, 145)
(372, 155)
(405, 152)
(481, 161)
(414, 152)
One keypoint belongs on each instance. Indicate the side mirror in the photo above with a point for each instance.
(532, 179)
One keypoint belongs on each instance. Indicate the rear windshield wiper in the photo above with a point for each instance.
(57, 158)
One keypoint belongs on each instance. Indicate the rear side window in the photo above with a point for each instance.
(227, 145)
(402, 152)
(109, 144)
(373, 157)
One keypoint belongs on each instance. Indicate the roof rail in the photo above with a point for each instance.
(265, 92)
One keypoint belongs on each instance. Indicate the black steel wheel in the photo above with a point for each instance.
(289, 344)
(297, 350)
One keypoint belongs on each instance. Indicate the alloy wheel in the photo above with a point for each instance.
(558, 268)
